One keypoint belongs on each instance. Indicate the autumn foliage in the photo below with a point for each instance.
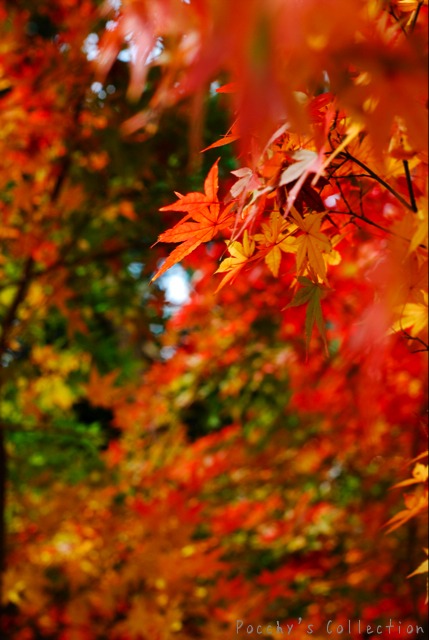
(256, 453)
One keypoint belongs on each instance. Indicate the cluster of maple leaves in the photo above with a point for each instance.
(262, 217)
(331, 154)
(171, 531)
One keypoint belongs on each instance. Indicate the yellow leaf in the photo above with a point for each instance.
(272, 231)
(414, 316)
(422, 568)
(352, 132)
(312, 244)
(425, 454)
(415, 504)
(274, 239)
(420, 474)
(53, 392)
(240, 254)
(273, 259)
(411, 5)
(420, 236)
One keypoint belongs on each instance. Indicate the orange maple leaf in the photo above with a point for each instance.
(101, 389)
(203, 220)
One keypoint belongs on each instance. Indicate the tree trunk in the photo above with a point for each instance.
(3, 477)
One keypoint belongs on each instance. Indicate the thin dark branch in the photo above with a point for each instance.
(61, 178)
(361, 217)
(335, 167)
(97, 255)
(19, 296)
(415, 339)
(398, 20)
(362, 212)
(376, 177)
(356, 216)
(29, 267)
(7, 327)
(346, 202)
(353, 175)
(3, 479)
(410, 186)
(415, 16)
(80, 260)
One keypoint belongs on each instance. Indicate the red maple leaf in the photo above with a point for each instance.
(205, 217)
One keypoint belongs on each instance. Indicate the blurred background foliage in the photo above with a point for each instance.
(162, 482)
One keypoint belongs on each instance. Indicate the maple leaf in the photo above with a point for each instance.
(246, 182)
(415, 506)
(230, 136)
(414, 316)
(312, 244)
(420, 456)
(420, 475)
(240, 254)
(227, 139)
(208, 219)
(311, 294)
(420, 235)
(101, 389)
(274, 240)
(305, 162)
(423, 568)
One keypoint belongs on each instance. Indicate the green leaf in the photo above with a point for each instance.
(311, 293)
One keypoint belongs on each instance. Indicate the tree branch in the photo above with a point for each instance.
(3, 478)
(376, 177)
(19, 297)
(408, 336)
(80, 260)
(410, 186)
(356, 215)
(415, 16)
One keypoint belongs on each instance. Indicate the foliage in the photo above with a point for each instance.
(172, 470)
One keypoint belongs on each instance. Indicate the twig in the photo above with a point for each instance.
(376, 177)
(16, 302)
(356, 215)
(415, 16)
(407, 336)
(410, 186)
(346, 202)
(398, 20)
(363, 219)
